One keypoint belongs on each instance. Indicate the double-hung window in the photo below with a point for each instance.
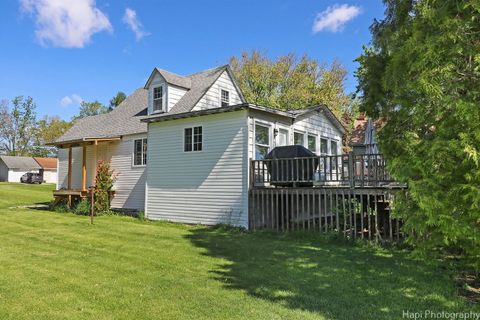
(140, 152)
(193, 139)
(224, 98)
(262, 141)
(158, 98)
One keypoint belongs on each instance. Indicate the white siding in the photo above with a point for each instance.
(76, 168)
(14, 175)
(211, 98)
(206, 187)
(313, 123)
(50, 176)
(130, 184)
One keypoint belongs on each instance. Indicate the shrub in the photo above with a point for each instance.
(83, 207)
(104, 181)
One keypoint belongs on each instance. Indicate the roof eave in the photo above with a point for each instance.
(83, 140)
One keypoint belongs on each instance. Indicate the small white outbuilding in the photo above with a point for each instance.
(12, 168)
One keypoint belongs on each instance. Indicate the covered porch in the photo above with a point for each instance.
(73, 185)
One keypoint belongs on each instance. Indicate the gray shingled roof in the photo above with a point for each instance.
(175, 79)
(123, 120)
(201, 82)
(22, 163)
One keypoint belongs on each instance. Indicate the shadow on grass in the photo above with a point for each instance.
(325, 276)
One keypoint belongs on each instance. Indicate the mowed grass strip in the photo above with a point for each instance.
(55, 265)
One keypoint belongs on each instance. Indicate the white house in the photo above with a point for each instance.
(12, 168)
(200, 134)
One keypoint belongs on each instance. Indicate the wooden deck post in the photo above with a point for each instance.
(84, 168)
(69, 174)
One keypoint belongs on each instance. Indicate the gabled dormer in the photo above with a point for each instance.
(165, 89)
(172, 93)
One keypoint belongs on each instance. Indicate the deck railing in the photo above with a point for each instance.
(342, 170)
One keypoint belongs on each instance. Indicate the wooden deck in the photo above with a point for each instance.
(349, 194)
(73, 195)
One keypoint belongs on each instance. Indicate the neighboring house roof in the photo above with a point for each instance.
(21, 163)
(47, 163)
(123, 120)
(289, 114)
(358, 133)
(364, 131)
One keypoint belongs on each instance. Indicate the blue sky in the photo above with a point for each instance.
(60, 52)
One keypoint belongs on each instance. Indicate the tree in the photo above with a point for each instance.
(49, 129)
(17, 126)
(421, 74)
(116, 100)
(88, 109)
(289, 82)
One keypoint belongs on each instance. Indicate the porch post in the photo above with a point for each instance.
(84, 167)
(69, 173)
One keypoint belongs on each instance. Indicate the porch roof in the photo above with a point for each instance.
(123, 120)
(83, 141)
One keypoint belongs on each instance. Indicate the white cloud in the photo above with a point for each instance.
(131, 19)
(335, 18)
(66, 23)
(73, 99)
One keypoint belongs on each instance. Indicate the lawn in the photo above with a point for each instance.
(55, 265)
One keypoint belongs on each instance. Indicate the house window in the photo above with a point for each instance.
(157, 98)
(193, 139)
(299, 138)
(333, 148)
(224, 98)
(312, 143)
(282, 137)
(262, 141)
(323, 147)
(140, 152)
(334, 152)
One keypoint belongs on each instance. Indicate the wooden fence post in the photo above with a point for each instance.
(92, 205)
(351, 170)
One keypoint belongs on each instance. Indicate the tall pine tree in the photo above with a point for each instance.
(422, 75)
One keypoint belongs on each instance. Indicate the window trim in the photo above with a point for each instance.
(144, 154)
(192, 139)
(270, 137)
(164, 98)
(229, 96)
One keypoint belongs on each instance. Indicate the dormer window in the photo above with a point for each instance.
(158, 99)
(224, 98)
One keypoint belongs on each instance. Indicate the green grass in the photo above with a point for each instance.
(55, 265)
